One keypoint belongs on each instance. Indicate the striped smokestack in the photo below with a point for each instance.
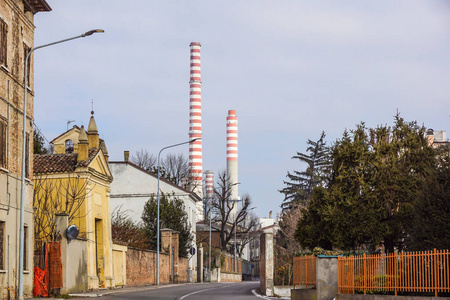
(209, 182)
(195, 126)
(232, 155)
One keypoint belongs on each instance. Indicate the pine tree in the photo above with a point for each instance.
(375, 179)
(38, 143)
(172, 215)
(299, 189)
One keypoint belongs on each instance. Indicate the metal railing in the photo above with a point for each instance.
(305, 271)
(423, 271)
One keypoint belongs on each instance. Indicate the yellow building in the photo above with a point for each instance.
(76, 180)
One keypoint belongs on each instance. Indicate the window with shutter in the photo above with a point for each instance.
(3, 144)
(3, 43)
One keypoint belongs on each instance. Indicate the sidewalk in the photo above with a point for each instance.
(104, 292)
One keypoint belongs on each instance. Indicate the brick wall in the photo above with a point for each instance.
(141, 268)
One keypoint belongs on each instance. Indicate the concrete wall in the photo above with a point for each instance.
(326, 279)
(120, 264)
(230, 277)
(73, 259)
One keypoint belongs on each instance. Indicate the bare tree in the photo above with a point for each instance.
(144, 159)
(56, 196)
(225, 218)
(176, 167)
(125, 230)
(286, 245)
(245, 233)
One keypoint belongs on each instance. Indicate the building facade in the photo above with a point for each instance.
(76, 181)
(16, 40)
(133, 186)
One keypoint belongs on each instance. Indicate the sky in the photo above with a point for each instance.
(290, 69)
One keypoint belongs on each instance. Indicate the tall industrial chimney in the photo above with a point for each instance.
(232, 157)
(195, 126)
(209, 182)
(209, 188)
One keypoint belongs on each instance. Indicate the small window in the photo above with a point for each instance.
(27, 50)
(3, 156)
(69, 146)
(3, 43)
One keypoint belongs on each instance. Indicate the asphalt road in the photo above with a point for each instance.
(216, 291)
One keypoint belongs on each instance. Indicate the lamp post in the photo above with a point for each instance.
(157, 197)
(22, 197)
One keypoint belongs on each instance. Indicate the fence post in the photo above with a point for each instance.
(435, 274)
(365, 274)
(395, 273)
(306, 272)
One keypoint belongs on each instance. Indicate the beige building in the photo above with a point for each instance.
(16, 38)
(75, 180)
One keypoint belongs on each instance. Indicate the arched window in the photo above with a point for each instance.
(69, 146)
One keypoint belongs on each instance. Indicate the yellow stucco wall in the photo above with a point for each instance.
(93, 217)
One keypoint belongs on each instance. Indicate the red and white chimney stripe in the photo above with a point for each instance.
(232, 136)
(195, 125)
(232, 156)
(209, 183)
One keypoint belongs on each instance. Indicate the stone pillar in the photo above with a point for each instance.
(175, 245)
(200, 263)
(62, 222)
(166, 247)
(166, 240)
(267, 262)
(327, 277)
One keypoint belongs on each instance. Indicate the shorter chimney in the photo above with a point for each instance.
(83, 145)
(270, 214)
(126, 156)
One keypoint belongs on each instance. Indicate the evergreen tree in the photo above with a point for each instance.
(299, 189)
(402, 163)
(38, 143)
(375, 178)
(431, 226)
(172, 215)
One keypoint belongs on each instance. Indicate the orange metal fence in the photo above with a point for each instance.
(424, 271)
(229, 265)
(305, 271)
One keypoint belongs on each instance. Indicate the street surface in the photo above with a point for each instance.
(216, 291)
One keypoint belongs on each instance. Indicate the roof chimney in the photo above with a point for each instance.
(270, 214)
(83, 144)
(126, 155)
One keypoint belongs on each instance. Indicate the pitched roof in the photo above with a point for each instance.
(60, 163)
(156, 176)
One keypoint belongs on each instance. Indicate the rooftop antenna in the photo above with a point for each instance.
(68, 122)
(92, 107)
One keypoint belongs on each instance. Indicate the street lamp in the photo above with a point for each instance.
(22, 197)
(157, 197)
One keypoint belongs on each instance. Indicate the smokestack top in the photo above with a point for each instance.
(194, 44)
(231, 112)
